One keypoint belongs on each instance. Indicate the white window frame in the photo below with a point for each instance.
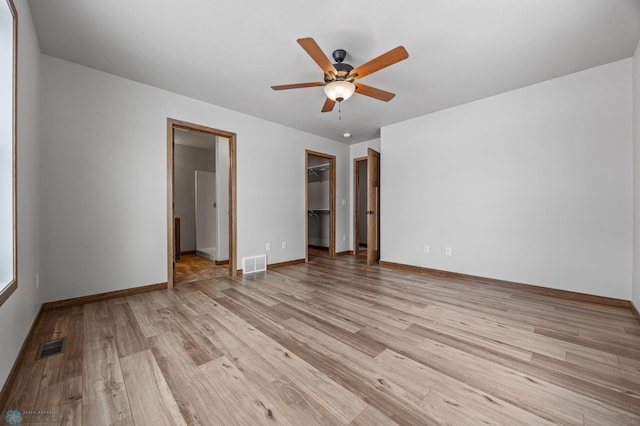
(6, 289)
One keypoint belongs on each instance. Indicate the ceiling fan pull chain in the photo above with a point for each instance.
(339, 110)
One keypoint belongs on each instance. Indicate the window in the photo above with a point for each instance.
(8, 51)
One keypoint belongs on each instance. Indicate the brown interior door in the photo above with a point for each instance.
(373, 206)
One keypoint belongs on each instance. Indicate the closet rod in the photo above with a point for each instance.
(316, 212)
(317, 166)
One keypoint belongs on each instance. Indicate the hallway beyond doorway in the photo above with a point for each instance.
(191, 267)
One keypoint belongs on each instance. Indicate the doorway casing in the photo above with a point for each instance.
(178, 124)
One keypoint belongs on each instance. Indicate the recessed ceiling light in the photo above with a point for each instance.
(347, 135)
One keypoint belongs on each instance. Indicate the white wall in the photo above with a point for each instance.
(187, 160)
(636, 178)
(319, 194)
(532, 186)
(356, 151)
(18, 312)
(104, 221)
(206, 221)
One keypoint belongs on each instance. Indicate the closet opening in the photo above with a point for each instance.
(320, 200)
(360, 205)
(201, 222)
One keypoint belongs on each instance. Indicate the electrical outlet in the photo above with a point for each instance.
(284, 244)
(268, 247)
(37, 280)
(427, 249)
(448, 251)
(344, 238)
(344, 202)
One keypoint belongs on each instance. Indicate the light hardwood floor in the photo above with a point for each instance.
(335, 342)
(191, 267)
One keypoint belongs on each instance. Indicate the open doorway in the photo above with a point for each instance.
(201, 192)
(320, 202)
(366, 206)
(360, 205)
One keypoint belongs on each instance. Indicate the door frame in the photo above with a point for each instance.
(233, 231)
(332, 202)
(373, 206)
(356, 203)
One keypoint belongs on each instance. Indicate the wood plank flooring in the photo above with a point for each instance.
(191, 267)
(335, 342)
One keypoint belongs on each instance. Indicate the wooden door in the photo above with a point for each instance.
(373, 206)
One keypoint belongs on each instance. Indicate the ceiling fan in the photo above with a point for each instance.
(339, 77)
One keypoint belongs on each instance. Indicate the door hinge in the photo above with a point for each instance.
(369, 212)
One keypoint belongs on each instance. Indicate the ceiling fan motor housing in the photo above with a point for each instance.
(339, 55)
(343, 69)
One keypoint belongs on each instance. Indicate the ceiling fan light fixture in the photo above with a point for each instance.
(340, 90)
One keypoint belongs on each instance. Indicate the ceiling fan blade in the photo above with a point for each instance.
(391, 57)
(328, 105)
(297, 85)
(373, 92)
(312, 48)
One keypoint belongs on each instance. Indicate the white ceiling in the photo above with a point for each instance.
(229, 53)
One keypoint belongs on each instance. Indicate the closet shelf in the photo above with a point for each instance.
(316, 170)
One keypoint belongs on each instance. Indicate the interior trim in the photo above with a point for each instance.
(634, 309)
(563, 294)
(287, 263)
(280, 264)
(8, 291)
(233, 192)
(75, 301)
(11, 286)
(13, 373)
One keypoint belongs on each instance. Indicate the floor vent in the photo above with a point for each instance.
(52, 347)
(254, 264)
